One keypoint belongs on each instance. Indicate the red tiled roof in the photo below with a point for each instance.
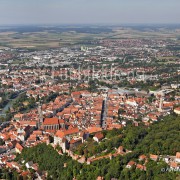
(141, 167)
(177, 109)
(178, 155)
(51, 121)
(131, 163)
(30, 123)
(173, 164)
(61, 121)
(25, 173)
(64, 133)
(114, 126)
(60, 134)
(94, 129)
(18, 115)
(142, 157)
(72, 131)
(19, 147)
(72, 141)
(37, 132)
(154, 157)
(99, 135)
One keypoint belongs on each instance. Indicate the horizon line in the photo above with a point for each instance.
(86, 24)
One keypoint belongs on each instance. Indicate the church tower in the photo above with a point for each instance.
(40, 120)
(161, 104)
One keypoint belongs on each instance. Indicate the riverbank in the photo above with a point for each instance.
(9, 105)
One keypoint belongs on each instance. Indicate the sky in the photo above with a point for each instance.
(89, 11)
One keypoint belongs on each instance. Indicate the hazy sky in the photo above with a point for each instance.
(89, 11)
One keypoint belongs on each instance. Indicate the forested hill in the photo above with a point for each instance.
(163, 137)
(160, 138)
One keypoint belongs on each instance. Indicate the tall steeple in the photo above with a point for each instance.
(52, 71)
(161, 104)
(40, 120)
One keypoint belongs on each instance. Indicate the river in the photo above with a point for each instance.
(9, 104)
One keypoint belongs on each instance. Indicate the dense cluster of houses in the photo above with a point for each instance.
(172, 161)
(71, 119)
(73, 116)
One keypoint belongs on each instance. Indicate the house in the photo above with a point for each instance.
(177, 110)
(64, 144)
(94, 129)
(130, 164)
(135, 123)
(142, 157)
(35, 167)
(26, 174)
(98, 137)
(121, 150)
(23, 133)
(64, 137)
(154, 157)
(141, 167)
(166, 159)
(100, 178)
(4, 136)
(16, 166)
(71, 132)
(3, 160)
(82, 160)
(152, 117)
(131, 102)
(175, 86)
(174, 165)
(18, 148)
(32, 138)
(10, 145)
(18, 117)
(60, 139)
(113, 126)
(177, 159)
(29, 164)
(76, 94)
(30, 123)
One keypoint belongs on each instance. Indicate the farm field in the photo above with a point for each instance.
(53, 37)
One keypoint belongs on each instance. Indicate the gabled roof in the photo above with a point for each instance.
(94, 129)
(71, 131)
(153, 157)
(131, 163)
(142, 157)
(177, 109)
(51, 121)
(60, 134)
(73, 141)
(178, 155)
(141, 167)
(99, 135)
(19, 147)
(64, 133)
(173, 164)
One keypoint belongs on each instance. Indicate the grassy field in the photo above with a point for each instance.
(42, 39)
(54, 39)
